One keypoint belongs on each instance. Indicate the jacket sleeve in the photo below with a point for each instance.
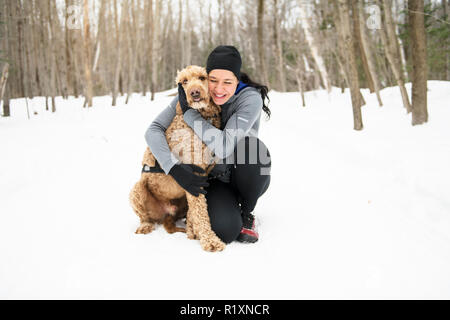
(156, 137)
(223, 142)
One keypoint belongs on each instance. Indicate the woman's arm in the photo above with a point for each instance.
(223, 142)
(156, 137)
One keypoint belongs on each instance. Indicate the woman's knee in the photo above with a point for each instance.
(227, 226)
(224, 211)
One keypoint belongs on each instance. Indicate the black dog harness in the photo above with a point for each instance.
(156, 169)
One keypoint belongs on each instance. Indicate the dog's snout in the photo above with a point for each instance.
(195, 93)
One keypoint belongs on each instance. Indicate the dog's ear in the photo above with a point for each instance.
(177, 78)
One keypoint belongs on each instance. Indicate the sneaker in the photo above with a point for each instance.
(248, 232)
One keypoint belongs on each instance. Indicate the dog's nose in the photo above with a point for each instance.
(195, 93)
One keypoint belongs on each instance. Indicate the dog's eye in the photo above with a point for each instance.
(185, 81)
(202, 78)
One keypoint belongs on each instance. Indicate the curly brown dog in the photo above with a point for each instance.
(157, 198)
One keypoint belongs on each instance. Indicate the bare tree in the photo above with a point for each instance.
(87, 55)
(261, 48)
(119, 52)
(278, 49)
(365, 45)
(54, 72)
(419, 59)
(188, 32)
(3, 81)
(396, 19)
(445, 4)
(156, 46)
(390, 44)
(357, 38)
(7, 47)
(306, 24)
(180, 35)
(352, 70)
(134, 46)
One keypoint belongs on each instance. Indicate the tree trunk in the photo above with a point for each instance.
(53, 87)
(342, 71)
(340, 52)
(20, 66)
(134, 47)
(278, 49)
(69, 62)
(71, 54)
(43, 41)
(261, 48)
(306, 24)
(447, 49)
(392, 34)
(188, 30)
(151, 28)
(400, 42)
(3, 81)
(365, 46)
(359, 44)
(61, 63)
(60, 87)
(419, 61)
(30, 56)
(353, 72)
(180, 36)
(119, 56)
(299, 76)
(156, 46)
(87, 55)
(7, 47)
(391, 50)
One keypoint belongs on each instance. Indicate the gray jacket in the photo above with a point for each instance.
(240, 117)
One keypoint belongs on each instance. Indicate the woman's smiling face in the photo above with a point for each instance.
(222, 85)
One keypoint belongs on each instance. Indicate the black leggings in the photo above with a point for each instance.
(250, 178)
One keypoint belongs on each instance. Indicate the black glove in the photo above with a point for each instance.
(182, 99)
(184, 175)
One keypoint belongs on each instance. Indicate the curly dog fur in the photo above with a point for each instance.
(157, 198)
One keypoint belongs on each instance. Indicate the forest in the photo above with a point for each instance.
(89, 48)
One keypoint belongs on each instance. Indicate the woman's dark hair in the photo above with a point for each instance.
(262, 88)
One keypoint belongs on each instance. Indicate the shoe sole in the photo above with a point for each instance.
(245, 238)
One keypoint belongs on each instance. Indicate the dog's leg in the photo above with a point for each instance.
(201, 226)
(145, 206)
(190, 226)
(145, 227)
(170, 226)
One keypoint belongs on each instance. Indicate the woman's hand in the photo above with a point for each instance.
(182, 99)
(184, 175)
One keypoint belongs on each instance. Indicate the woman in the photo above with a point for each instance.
(244, 172)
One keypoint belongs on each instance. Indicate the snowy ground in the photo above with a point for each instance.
(348, 214)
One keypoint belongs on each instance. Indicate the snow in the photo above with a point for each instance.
(348, 214)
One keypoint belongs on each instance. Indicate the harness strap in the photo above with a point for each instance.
(212, 177)
(156, 169)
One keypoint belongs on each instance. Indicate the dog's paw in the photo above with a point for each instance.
(190, 234)
(145, 227)
(212, 243)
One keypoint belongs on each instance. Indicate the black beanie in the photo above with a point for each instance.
(225, 57)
